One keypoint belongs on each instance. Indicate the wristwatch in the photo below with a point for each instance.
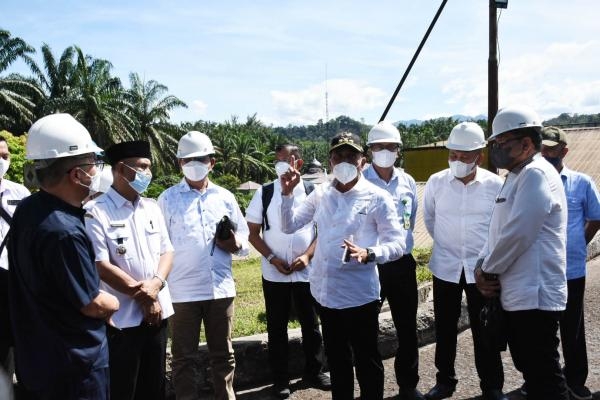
(370, 255)
(270, 257)
(163, 282)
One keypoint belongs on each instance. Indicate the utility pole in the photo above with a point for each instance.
(492, 76)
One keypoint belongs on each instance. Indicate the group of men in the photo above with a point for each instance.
(93, 289)
(88, 292)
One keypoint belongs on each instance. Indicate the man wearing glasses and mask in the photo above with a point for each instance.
(457, 206)
(524, 261)
(202, 282)
(58, 311)
(133, 256)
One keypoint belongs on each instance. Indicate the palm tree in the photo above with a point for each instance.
(16, 92)
(150, 109)
(58, 80)
(98, 101)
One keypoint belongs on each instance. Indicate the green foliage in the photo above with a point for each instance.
(16, 146)
(574, 119)
(160, 183)
(422, 256)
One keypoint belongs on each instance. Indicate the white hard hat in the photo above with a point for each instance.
(384, 132)
(194, 144)
(466, 136)
(511, 118)
(56, 136)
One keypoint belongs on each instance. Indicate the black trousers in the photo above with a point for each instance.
(447, 298)
(533, 344)
(399, 286)
(279, 297)
(137, 362)
(351, 331)
(572, 335)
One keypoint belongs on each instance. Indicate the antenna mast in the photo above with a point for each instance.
(326, 98)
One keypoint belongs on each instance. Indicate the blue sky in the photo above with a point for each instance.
(226, 58)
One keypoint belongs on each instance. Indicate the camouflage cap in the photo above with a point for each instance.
(553, 136)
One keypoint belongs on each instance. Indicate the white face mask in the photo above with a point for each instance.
(195, 170)
(459, 169)
(4, 164)
(281, 167)
(345, 172)
(94, 186)
(384, 158)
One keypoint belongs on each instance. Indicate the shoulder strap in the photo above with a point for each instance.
(267, 195)
(308, 186)
(3, 213)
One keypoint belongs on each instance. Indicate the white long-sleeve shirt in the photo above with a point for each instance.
(527, 239)
(368, 215)
(191, 217)
(457, 217)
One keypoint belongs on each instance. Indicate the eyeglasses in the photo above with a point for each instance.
(203, 159)
(98, 163)
(496, 144)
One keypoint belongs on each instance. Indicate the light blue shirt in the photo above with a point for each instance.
(364, 214)
(191, 217)
(583, 202)
(403, 189)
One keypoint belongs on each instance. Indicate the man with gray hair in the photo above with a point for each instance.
(57, 310)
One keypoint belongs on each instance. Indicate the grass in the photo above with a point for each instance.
(250, 306)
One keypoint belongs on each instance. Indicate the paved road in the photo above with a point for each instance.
(468, 386)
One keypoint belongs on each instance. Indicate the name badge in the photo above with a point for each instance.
(13, 202)
(117, 225)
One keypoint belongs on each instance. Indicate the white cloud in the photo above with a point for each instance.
(345, 97)
(558, 78)
(199, 107)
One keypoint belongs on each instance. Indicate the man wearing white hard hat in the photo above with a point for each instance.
(201, 282)
(524, 261)
(58, 312)
(457, 206)
(398, 277)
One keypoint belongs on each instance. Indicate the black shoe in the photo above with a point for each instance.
(523, 390)
(494, 394)
(579, 392)
(282, 390)
(318, 381)
(410, 394)
(440, 391)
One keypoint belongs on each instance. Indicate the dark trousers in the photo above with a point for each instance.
(347, 331)
(399, 286)
(533, 343)
(94, 385)
(137, 362)
(447, 299)
(572, 335)
(279, 297)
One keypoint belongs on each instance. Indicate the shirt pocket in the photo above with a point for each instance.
(153, 238)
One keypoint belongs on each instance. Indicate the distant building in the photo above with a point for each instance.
(314, 172)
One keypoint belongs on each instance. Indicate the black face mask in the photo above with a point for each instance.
(555, 161)
(501, 157)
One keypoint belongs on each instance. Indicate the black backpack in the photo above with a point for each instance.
(267, 195)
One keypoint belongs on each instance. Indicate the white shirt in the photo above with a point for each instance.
(365, 212)
(287, 247)
(457, 217)
(10, 195)
(191, 217)
(403, 189)
(114, 222)
(527, 239)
